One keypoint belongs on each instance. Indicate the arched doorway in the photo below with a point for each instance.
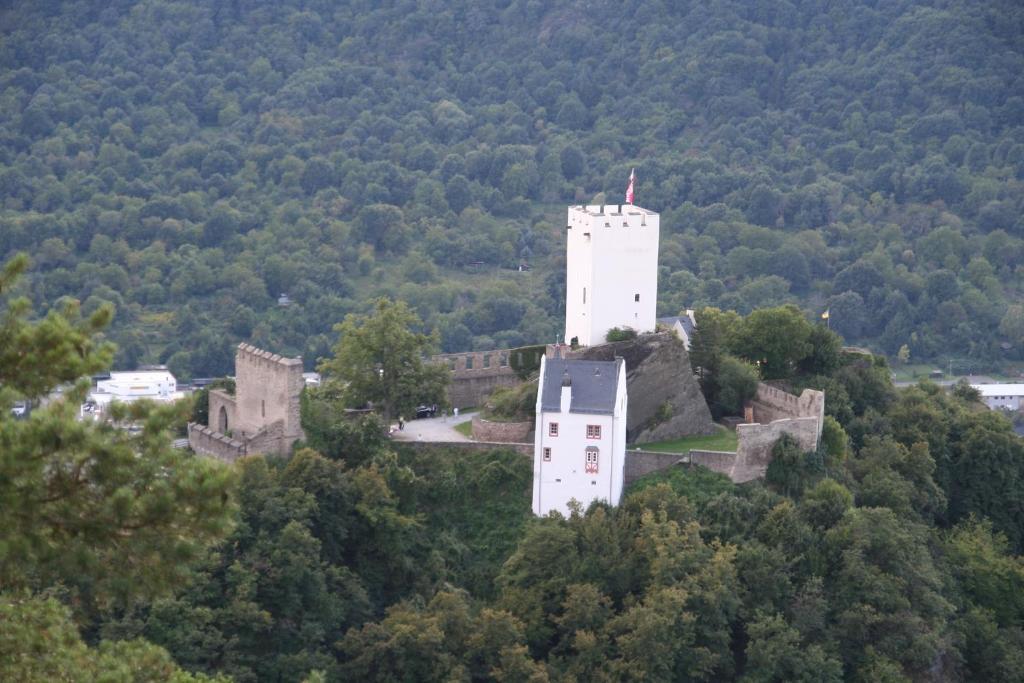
(222, 421)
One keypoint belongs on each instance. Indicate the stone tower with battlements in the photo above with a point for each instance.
(262, 416)
(611, 271)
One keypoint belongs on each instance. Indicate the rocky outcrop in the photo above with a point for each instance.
(665, 401)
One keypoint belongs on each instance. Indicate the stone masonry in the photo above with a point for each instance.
(262, 415)
(475, 375)
(771, 403)
(776, 412)
(502, 432)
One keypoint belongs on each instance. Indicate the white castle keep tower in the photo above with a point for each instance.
(611, 271)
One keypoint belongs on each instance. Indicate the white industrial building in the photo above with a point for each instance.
(611, 271)
(1001, 396)
(580, 442)
(126, 387)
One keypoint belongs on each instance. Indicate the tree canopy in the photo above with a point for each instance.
(380, 360)
(94, 513)
(188, 162)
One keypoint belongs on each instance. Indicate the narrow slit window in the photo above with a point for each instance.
(636, 297)
(584, 295)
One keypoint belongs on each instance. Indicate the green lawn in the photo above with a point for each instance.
(465, 428)
(724, 440)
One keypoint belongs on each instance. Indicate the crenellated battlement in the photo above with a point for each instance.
(611, 270)
(247, 353)
(611, 216)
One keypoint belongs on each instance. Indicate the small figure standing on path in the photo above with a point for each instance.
(401, 423)
(456, 412)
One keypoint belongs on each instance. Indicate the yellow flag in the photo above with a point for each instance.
(824, 316)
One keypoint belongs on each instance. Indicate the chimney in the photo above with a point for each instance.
(566, 392)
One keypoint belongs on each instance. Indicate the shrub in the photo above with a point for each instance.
(526, 360)
(617, 334)
(512, 404)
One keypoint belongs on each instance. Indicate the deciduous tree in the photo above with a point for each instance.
(380, 360)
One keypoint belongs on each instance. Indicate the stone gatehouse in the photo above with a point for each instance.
(262, 416)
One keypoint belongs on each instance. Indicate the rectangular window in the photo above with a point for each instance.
(469, 362)
(553, 429)
(487, 360)
(636, 297)
(593, 431)
(547, 454)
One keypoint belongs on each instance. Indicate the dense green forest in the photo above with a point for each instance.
(189, 161)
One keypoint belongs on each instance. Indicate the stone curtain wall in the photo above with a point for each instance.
(640, 463)
(754, 451)
(502, 432)
(723, 462)
(222, 399)
(475, 375)
(771, 404)
(206, 441)
(270, 440)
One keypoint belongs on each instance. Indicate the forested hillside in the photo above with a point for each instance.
(890, 553)
(189, 161)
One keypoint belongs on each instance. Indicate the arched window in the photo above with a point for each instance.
(592, 457)
(222, 421)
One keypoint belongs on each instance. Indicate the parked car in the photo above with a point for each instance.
(426, 411)
(20, 409)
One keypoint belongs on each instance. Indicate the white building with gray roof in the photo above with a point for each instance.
(682, 325)
(580, 442)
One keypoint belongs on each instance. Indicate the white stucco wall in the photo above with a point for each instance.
(612, 253)
(1001, 396)
(129, 386)
(564, 478)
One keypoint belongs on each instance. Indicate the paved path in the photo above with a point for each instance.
(432, 429)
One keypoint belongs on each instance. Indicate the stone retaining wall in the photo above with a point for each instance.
(722, 462)
(427, 446)
(640, 463)
(502, 432)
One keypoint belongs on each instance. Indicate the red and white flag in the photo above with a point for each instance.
(629, 188)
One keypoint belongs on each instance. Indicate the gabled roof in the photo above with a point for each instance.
(683, 320)
(594, 385)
